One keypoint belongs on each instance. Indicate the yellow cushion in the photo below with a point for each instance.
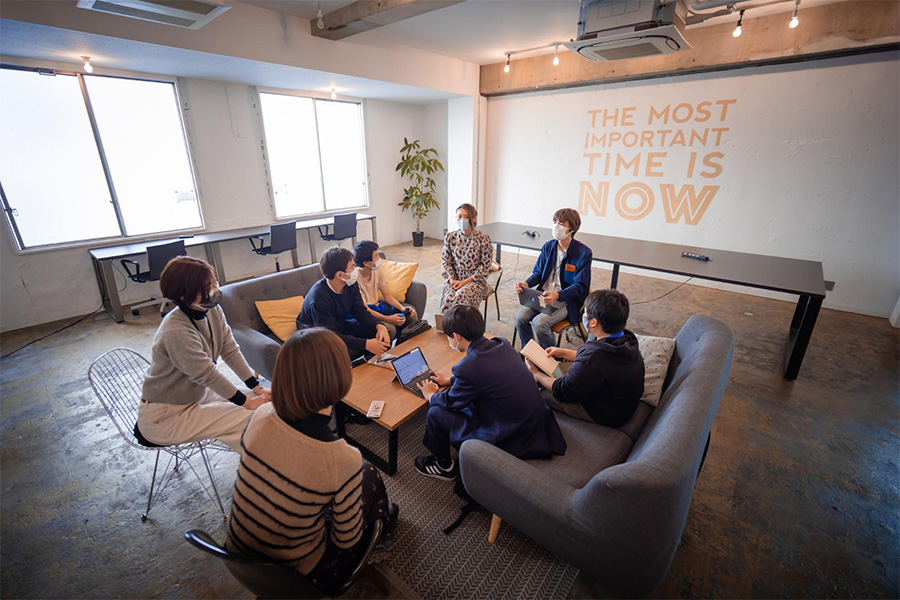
(398, 276)
(280, 315)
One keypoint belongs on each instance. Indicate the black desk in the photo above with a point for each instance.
(802, 277)
(103, 257)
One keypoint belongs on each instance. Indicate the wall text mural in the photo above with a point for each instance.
(674, 147)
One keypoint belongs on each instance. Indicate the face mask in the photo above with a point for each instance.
(585, 320)
(463, 224)
(560, 232)
(352, 278)
(214, 298)
(377, 264)
(455, 347)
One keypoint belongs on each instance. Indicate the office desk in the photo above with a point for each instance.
(103, 258)
(793, 276)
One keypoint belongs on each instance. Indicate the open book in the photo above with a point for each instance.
(533, 352)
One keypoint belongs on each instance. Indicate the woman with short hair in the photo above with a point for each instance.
(185, 398)
(465, 261)
(303, 496)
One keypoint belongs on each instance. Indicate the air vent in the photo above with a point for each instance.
(191, 14)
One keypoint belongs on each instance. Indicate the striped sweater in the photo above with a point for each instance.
(285, 484)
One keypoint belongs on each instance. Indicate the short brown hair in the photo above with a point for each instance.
(465, 320)
(312, 372)
(473, 212)
(570, 216)
(334, 260)
(185, 278)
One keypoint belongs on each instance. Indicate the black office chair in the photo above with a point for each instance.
(344, 227)
(269, 579)
(282, 237)
(157, 258)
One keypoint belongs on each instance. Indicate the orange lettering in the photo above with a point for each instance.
(685, 203)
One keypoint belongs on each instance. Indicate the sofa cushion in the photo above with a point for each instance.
(590, 449)
(398, 276)
(280, 316)
(656, 352)
(636, 423)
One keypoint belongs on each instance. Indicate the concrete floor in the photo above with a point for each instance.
(798, 497)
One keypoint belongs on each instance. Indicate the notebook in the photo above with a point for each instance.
(411, 369)
(533, 352)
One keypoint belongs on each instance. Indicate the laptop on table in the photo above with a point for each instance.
(412, 369)
(531, 298)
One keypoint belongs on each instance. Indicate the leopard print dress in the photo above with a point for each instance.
(466, 256)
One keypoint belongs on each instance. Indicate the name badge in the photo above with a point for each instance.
(570, 268)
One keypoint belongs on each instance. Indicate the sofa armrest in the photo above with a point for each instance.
(515, 491)
(259, 349)
(417, 296)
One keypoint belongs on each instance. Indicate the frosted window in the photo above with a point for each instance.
(145, 149)
(50, 169)
(292, 147)
(341, 144)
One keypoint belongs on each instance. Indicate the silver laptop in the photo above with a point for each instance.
(531, 298)
(411, 369)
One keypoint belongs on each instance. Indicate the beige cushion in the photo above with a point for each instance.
(398, 276)
(280, 316)
(657, 352)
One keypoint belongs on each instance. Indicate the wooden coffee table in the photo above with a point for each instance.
(378, 383)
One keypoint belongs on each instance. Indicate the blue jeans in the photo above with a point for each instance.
(532, 324)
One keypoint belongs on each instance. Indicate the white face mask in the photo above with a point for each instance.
(560, 232)
(377, 264)
(452, 345)
(351, 279)
(463, 224)
(585, 320)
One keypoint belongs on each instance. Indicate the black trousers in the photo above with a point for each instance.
(438, 425)
(336, 564)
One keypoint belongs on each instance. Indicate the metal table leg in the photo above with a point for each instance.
(374, 232)
(614, 280)
(389, 466)
(802, 325)
(214, 258)
(109, 293)
(312, 246)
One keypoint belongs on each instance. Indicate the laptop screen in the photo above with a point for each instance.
(410, 365)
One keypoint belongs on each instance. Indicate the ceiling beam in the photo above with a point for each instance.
(365, 15)
(826, 30)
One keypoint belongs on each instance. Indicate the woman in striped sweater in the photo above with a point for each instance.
(303, 496)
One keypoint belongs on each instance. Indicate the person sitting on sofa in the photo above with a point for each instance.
(563, 273)
(372, 284)
(606, 379)
(334, 302)
(491, 397)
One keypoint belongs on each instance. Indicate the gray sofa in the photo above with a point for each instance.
(258, 344)
(615, 505)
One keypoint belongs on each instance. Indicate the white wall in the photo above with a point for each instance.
(224, 132)
(809, 166)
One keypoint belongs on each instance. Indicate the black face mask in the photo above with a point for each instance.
(213, 300)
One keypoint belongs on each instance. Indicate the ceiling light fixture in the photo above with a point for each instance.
(795, 20)
(556, 56)
(320, 20)
(333, 94)
(737, 30)
(88, 68)
(506, 68)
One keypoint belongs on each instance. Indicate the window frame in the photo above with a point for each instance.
(18, 245)
(360, 102)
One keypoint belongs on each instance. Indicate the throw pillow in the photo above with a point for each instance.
(280, 315)
(656, 352)
(398, 276)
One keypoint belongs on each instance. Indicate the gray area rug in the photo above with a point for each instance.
(462, 564)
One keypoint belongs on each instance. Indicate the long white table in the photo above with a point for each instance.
(103, 257)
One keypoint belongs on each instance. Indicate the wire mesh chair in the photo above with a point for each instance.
(117, 378)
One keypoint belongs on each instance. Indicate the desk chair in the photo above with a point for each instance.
(282, 237)
(493, 287)
(117, 378)
(268, 579)
(157, 258)
(344, 227)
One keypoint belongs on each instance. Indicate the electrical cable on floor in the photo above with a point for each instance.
(124, 278)
(664, 295)
(54, 333)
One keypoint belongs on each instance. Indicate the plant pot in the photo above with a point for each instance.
(418, 238)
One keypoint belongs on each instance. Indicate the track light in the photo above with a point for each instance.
(737, 30)
(88, 68)
(320, 21)
(333, 94)
(506, 68)
(556, 56)
(795, 20)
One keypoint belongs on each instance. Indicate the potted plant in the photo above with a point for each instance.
(419, 197)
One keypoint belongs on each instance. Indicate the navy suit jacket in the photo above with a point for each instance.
(493, 388)
(575, 273)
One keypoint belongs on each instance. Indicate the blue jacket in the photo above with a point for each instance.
(494, 389)
(575, 272)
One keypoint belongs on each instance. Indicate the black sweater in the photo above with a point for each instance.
(607, 378)
(323, 308)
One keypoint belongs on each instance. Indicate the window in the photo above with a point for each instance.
(59, 187)
(316, 154)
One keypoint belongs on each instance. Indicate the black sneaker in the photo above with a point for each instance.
(428, 466)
